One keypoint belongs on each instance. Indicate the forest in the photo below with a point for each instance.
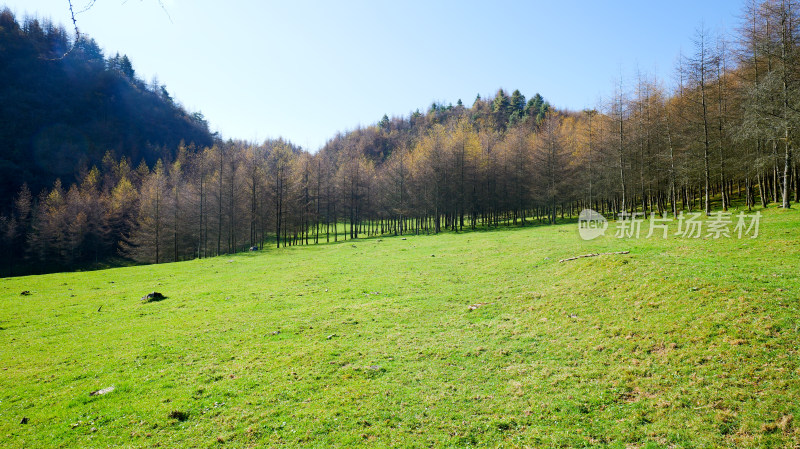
(721, 129)
(65, 104)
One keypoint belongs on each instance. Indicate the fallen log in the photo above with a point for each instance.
(593, 255)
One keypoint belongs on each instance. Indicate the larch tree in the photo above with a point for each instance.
(700, 75)
(148, 239)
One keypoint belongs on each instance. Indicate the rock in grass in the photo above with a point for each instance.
(152, 297)
(479, 304)
(102, 391)
(179, 415)
(26, 293)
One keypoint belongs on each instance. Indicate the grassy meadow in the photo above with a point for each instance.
(372, 342)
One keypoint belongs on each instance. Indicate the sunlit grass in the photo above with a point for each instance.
(681, 343)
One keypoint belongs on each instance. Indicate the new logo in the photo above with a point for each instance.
(591, 224)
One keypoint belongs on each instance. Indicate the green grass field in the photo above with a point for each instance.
(681, 343)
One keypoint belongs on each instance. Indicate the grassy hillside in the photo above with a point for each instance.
(681, 343)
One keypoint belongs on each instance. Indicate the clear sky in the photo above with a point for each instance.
(306, 70)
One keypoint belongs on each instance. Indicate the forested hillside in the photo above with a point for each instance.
(64, 104)
(723, 130)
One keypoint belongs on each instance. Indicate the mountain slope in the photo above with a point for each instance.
(62, 107)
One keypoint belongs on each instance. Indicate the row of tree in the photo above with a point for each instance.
(723, 131)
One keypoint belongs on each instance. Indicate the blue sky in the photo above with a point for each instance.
(306, 70)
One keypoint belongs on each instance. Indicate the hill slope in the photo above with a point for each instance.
(63, 110)
(682, 343)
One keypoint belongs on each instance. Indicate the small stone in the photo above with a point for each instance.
(152, 297)
(102, 391)
(179, 415)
